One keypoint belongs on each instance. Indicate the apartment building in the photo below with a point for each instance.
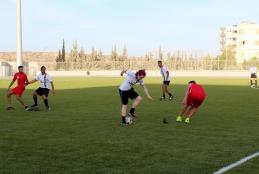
(242, 38)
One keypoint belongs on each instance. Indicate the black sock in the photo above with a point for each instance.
(163, 95)
(170, 94)
(35, 100)
(132, 110)
(46, 102)
(123, 120)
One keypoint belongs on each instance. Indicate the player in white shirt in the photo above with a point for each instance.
(127, 92)
(45, 85)
(253, 71)
(166, 81)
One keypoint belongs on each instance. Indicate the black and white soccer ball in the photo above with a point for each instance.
(129, 120)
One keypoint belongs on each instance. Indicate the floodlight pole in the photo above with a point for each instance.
(18, 33)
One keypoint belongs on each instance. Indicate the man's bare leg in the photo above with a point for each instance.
(21, 101)
(135, 105)
(123, 113)
(168, 93)
(45, 99)
(184, 110)
(190, 113)
(9, 99)
(163, 91)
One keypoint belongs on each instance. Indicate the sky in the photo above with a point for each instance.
(141, 25)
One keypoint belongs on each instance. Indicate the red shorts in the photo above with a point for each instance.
(18, 91)
(195, 101)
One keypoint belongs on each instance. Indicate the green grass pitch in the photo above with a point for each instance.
(82, 133)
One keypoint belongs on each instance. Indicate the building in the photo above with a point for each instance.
(243, 39)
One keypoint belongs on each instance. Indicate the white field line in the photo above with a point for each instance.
(233, 165)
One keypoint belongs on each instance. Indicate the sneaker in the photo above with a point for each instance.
(48, 108)
(162, 99)
(124, 124)
(187, 121)
(179, 119)
(34, 106)
(131, 115)
(27, 108)
(10, 108)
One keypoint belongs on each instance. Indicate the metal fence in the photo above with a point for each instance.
(151, 65)
(8, 68)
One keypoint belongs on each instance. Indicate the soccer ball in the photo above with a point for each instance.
(129, 120)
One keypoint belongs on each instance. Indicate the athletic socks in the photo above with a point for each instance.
(123, 120)
(35, 101)
(163, 95)
(132, 111)
(170, 94)
(46, 102)
(251, 82)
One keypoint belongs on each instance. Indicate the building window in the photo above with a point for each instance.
(242, 43)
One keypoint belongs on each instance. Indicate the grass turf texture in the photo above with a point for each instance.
(82, 134)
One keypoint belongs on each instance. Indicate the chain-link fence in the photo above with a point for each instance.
(175, 64)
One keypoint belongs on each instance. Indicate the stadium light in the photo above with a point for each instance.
(18, 33)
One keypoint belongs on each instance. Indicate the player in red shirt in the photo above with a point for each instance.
(193, 99)
(22, 81)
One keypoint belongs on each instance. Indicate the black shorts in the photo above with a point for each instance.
(166, 83)
(254, 76)
(126, 95)
(43, 91)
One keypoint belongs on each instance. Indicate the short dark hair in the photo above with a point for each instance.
(160, 61)
(192, 81)
(42, 67)
(20, 66)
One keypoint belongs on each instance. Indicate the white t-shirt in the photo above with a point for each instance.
(45, 80)
(130, 81)
(163, 72)
(253, 70)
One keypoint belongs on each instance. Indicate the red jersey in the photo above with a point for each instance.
(21, 79)
(196, 91)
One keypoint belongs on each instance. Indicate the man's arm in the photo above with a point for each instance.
(32, 81)
(10, 85)
(147, 92)
(186, 95)
(52, 87)
(27, 81)
(123, 71)
(167, 75)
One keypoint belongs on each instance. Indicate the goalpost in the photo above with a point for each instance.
(19, 60)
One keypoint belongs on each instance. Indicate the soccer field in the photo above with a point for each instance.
(82, 132)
